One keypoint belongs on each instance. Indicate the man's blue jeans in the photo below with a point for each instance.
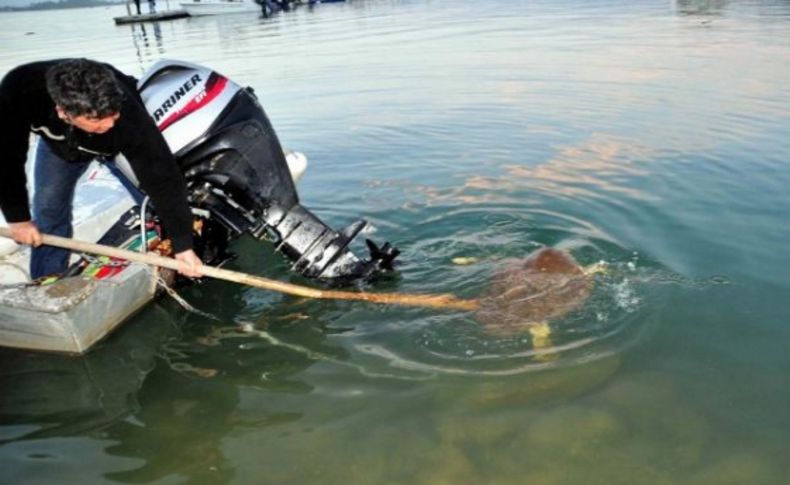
(53, 204)
(53, 198)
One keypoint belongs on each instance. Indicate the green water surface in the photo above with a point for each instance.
(651, 136)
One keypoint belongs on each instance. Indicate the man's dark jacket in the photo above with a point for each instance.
(25, 106)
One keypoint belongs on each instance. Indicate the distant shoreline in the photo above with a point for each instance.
(57, 5)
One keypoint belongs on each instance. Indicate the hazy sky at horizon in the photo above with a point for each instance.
(21, 3)
(17, 3)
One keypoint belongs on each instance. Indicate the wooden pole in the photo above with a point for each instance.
(444, 300)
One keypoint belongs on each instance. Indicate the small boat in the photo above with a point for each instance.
(239, 181)
(70, 314)
(196, 8)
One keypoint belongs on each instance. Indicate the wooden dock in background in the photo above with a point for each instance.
(151, 17)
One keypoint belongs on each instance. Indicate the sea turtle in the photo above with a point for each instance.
(526, 294)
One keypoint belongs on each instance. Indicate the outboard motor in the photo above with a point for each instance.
(237, 175)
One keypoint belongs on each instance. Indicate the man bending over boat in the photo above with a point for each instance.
(82, 110)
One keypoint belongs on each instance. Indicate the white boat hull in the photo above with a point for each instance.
(72, 314)
(219, 7)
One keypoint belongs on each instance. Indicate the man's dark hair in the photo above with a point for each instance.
(84, 88)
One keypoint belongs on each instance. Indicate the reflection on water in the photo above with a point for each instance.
(142, 44)
(69, 396)
(650, 137)
(600, 167)
(115, 392)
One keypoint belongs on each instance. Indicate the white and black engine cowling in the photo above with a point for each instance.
(237, 175)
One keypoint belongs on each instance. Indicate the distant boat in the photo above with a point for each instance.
(218, 7)
(266, 7)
